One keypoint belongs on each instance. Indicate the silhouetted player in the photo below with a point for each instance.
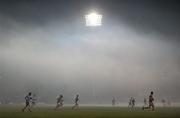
(151, 102)
(113, 101)
(59, 102)
(27, 99)
(76, 102)
(133, 102)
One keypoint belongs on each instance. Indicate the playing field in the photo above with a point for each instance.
(89, 112)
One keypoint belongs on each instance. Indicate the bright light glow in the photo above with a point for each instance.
(93, 19)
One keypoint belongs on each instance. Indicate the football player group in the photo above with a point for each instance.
(30, 101)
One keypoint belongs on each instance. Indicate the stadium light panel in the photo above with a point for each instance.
(93, 19)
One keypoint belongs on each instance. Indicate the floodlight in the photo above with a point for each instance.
(93, 19)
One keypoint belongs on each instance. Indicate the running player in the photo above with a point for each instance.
(151, 102)
(76, 102)
(27, 99)
(59, 102)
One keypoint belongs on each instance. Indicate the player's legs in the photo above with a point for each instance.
(29, 108)
(152, 105)
(24, 108)
(132, 104)
(61, 104)
(75, 106)
(27, 104)
(57, 106)
(129, 104)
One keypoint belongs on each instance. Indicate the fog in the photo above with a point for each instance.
(48, 50)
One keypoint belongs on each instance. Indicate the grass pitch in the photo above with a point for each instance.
(89, 112)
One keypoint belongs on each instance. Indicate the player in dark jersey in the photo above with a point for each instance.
(27, 99)
(59, 102)
(151, 102)
(76, 102)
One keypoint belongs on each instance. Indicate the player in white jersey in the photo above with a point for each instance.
(27, 99)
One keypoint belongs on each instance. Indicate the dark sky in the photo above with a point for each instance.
(45, 47)
(159, 16)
